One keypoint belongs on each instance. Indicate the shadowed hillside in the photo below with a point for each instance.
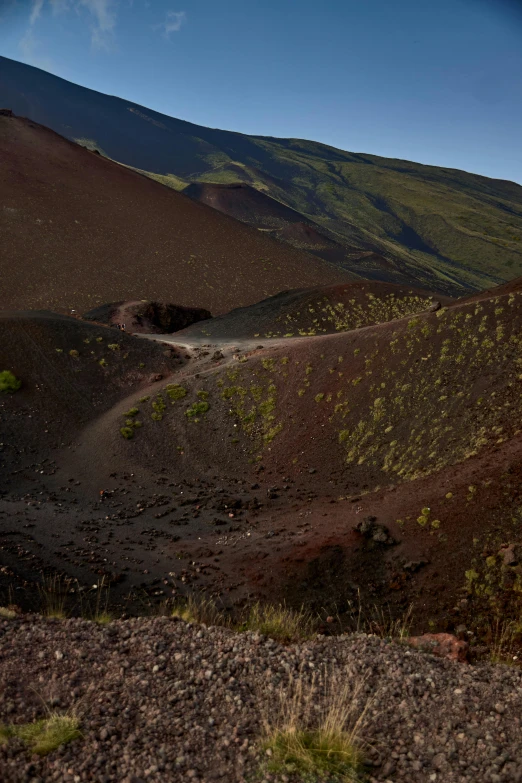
(446, 230)
(79, 231)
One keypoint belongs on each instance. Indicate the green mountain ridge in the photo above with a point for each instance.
(448, 230)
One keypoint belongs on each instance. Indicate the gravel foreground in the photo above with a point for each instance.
(164, 700)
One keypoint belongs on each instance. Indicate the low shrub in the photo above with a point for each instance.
(196, 409)
(9, 383)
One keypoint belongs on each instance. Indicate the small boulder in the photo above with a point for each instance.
(378, 533)
(508, 554)
(444, 645)
(414, 565)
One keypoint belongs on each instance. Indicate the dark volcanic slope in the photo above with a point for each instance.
(414, 422)
(316, 311)
(78, 231)
(244, 203)
(253, 466)
(449, 231)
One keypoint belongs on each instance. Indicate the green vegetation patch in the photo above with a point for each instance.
(9, 383)
(175, 392)
(197, 409)
(45, 735)
(158, 406)
(131, 423)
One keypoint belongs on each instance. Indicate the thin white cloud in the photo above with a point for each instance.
(59, 6)
(173, 22)
(104, 21)
(35, 11)
(102, 13)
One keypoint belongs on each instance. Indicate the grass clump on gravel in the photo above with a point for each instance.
(280, 623)
(314, 733)
(44, 735)
(503, 639)
(197, 609)
(375, 620)
(53, 597)
(9, 383)
(6, 613)
(100, 613)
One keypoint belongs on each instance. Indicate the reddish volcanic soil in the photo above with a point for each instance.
(250, 464)
(243, 202)
(79, 230)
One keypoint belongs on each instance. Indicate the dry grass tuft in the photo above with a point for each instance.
(503, 637)
(378, 621)
(201, 610)
(315, 731)
(46, 734)
(7, 613)
(281, 623)
(53, 593)
(101, 614)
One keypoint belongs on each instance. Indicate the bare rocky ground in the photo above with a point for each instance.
(163, 700)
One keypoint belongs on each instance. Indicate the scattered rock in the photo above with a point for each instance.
(209, 692)
(378, 533)
(444, 645)
(509, 554)
(414, 565)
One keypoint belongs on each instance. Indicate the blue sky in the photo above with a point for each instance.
(434, 81)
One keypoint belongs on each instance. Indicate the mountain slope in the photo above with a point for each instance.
(256, 208)
(449, 230)
(79, 230)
